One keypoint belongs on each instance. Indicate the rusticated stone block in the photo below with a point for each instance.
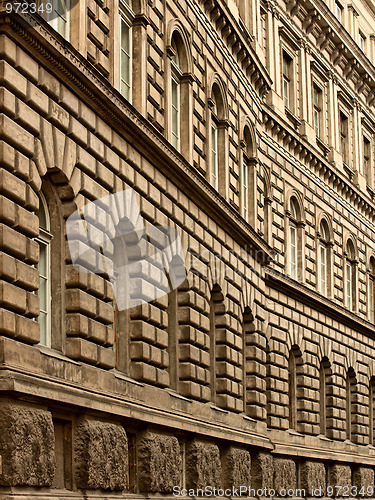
(203, 466)
(363, 477)
(159, 462)
(262, 471)
(101, 456)
(340, 475)
(26, 446)
(313, 476)
(236, 467)
(285, 474)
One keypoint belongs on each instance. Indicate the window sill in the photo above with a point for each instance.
(323, 146)
(293, 118)
(348, 171)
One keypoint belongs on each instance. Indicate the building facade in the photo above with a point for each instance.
(248, 126)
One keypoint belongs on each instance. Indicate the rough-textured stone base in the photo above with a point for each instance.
(101, 456)
(26, 446)
(363, 477)
(285, 474)
(340, 475)
(313, 476)
(203, 466)
(262, 471)
(236, 467)
(159, 463)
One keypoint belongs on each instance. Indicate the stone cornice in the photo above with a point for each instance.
(75, 71)
(235, 38)
(318, 164)
(345, 50)
(316, 301)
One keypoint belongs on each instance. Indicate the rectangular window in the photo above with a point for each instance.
(214, 156)
(317, 110)
(293, 251)
(175, 93)
(44, 292)
(125, 58)
(344, 136)
(59, 17)
(349, 286)
(323, 269)
(287, 76)
(372, 299)
(338, 11)
(245, 174)
(366, 159)
(361, 41)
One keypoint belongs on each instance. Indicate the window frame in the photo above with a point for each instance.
(294, 243)
(126, 16)
(366, 158)
(344, 135)
(362, 40)
(371, 291)
(214, 153)
(317, 109)
(175, 82)
(339, 11)
(44, 241)
(287, 62)
(350, 276)
(54, 22)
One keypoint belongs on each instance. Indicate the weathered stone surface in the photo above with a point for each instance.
(285, 474)
(101, 456)
(313, 476)
(26, 446)
(340, 475)
(203, 466)
(236, 467)
(262, 470)
(363, 477)
(159, 462)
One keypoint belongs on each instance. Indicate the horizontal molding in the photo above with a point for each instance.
(319, 303)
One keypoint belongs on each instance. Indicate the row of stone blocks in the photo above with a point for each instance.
(101, 459)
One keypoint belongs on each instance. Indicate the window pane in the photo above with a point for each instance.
(125, 59)
(323, 269)
(42, 320)
(214, 158)
(293, 251)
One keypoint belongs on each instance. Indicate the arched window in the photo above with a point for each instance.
(371, 411)
(294, 240)
(350, 276)
(126, 20)
(324, 259)
(371, 291)
(179, 91)
(175, 97)
(44, 269)
(247, 177)
(350, 402)
(325, 381)
(218, 140)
